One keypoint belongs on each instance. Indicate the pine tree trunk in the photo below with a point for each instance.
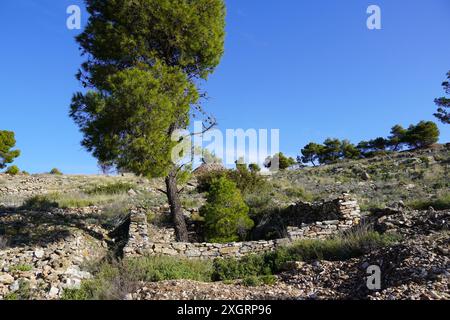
(176, 208)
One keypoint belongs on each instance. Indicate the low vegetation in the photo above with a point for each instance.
(441, 203)
(110, 188)
(343, 247)
(113, 280)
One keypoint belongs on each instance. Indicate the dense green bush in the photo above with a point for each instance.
(225, 213)
(247, 180)
(12, 170)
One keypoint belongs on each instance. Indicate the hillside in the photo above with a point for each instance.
(62, 236)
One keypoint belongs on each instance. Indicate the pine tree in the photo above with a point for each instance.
(144, 61)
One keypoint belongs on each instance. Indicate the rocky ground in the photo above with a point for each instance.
(44, 251)
(418, 269)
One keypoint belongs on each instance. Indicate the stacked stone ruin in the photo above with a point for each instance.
(345, 212)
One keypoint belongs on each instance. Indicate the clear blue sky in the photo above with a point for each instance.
(310, 68)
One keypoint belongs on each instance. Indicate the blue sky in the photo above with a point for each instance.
(309, 68)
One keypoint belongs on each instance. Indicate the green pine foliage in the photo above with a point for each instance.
(7, 143)
(422, 135)
(225, 213)
(443, 103)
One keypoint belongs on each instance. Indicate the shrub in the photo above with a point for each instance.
(114, 280)
(255, 281)
(39, 203)
(22, 268)
(232, 268)
(110, 189)
(24, 292)
(225, 213)
(56, 172)
(162, 268)
(12, 170)
(298, 193)
(254, 168)
(246, 180)
(441, 203)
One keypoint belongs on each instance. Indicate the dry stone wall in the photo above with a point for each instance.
(345, 211)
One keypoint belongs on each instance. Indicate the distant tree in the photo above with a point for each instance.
(7, 143)
(397, 138)
(311, 153)
(349, 150)
(422, 135)
(225, 213)
(444, 103)
(144, 61)
(254, 168)
(364, 148)
(280, 159)
(56, 172)
(331, 151)
(210, 158)
(372, 147)
(379, 144)
(13, 170)
(241, 165)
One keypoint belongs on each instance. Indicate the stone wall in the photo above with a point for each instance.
(345, 212)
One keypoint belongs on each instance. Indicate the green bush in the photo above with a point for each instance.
(254, 281)
(441, 203)
(246, 180)
(22, 268)
(110, 189)
(225, 213)
(232, 268)
(12, 170)
(56, 172)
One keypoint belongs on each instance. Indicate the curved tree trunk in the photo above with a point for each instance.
(176, 208)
